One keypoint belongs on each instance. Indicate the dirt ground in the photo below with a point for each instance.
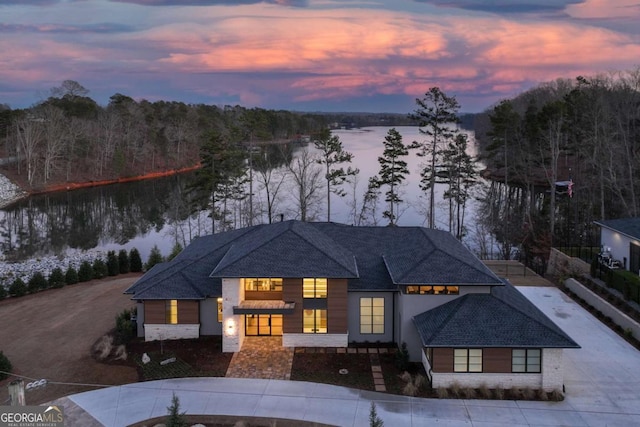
(49, 335)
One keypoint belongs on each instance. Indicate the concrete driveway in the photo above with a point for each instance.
(602, 389)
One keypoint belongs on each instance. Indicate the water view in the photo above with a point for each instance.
(153, 212)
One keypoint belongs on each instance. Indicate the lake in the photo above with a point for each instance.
(146, 213)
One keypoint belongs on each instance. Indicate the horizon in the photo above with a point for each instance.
(323, 56)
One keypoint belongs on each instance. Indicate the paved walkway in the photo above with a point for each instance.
(602, 389)
(261, 357)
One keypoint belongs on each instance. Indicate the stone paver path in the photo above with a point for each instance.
(262, 357)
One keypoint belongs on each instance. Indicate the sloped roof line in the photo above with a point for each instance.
(352, 269)
(144, 286)
(455, 303)
(548, 323)
(437, 248)
(292, 227)
(224, 260)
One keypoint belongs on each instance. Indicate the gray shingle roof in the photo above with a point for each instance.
(371, 258)
(628, 226)
(286, 249)
(504, 318)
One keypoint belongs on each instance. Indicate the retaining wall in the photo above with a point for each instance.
(602, 305)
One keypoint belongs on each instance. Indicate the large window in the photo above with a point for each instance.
(314, 321)
(467, 360)
(263, 284)
(372, 315)
(314, 288)
(433, 290)
(171, 312)
(526, 360)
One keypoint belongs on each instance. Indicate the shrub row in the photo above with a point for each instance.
(121, 263)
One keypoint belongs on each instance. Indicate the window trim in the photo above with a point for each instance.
(371, 316)
(431, 290)
(171, 312)
(467, 360)
(316, 315)
(527, 369)
(316, 293)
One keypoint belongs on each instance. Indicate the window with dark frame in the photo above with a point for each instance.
(432, 289)
(371, 315)
(467, 360)
(526, 360)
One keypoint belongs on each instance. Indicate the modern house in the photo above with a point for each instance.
(329, 285)
(620, 239)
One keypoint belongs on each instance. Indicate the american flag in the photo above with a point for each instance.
(570, 188)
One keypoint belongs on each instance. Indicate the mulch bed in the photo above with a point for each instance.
(325, 368)
(194, 358)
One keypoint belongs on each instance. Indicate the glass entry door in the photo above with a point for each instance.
(262, 324)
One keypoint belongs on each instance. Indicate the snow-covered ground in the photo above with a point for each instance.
(9, 192)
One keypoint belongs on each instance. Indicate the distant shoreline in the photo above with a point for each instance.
(10, 192)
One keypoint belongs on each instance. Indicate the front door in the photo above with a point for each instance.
(262, 324)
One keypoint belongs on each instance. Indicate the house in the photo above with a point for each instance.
(620, 239)
(329, 285)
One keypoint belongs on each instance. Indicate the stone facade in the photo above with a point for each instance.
(315, 340)
(551, 377)
(170, 332)
(232, 324)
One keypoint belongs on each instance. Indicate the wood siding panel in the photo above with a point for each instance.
(155, 312)
(496, 360)
(292, 292)
(337, 319)
(442, 360)
(263, 295)
(188, 312)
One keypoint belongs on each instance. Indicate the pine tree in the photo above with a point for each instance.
(123, 261)
(71, 276)
(461, 176)
(437, 117)
(18, 288)
(332, 153)
(56, 278)
(155, 257)
(177, 248)
(85, 272)
(374, 419)
(37, 282)
(393, 172)
(100, 268)
(135, 261)
(175, 418)
(113, 266)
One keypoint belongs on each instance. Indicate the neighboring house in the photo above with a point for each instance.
(621, 239)
(328, 285)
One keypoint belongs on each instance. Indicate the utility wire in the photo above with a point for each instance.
(58, 382)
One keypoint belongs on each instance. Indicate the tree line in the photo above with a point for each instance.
(68, 137)
(560, 156)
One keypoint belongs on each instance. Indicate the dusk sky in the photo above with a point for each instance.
(309, 55)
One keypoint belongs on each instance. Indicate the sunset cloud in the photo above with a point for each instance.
(376, 54)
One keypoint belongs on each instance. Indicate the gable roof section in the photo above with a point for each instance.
(286, 249)
(503, 318)
(627, 226)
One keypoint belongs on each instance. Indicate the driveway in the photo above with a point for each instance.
(602, 389)
(49, 335)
